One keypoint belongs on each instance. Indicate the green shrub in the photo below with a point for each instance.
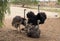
(4, 8)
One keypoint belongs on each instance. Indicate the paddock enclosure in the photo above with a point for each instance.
(50, 30)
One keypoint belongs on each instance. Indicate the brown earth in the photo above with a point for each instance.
(50, 31)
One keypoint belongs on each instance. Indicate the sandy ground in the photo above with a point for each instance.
(50, 30)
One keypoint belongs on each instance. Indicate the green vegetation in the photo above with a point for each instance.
(4, 8)
(58, 1)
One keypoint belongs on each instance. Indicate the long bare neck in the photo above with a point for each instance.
(24, 12)
(38, 8)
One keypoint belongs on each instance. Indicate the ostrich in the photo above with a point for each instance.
(34, 31)
(32, 18)
(18, 20)
(41, 16)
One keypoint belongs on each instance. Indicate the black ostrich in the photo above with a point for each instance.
(18, 20)
(41, 16)
(32, 18)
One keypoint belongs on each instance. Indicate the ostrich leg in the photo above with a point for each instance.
(38, 22)
(20, 26)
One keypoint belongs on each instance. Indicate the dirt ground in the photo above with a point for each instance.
(50, 31)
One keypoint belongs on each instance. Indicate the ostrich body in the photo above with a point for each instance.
(33, 31)
(18, 20)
